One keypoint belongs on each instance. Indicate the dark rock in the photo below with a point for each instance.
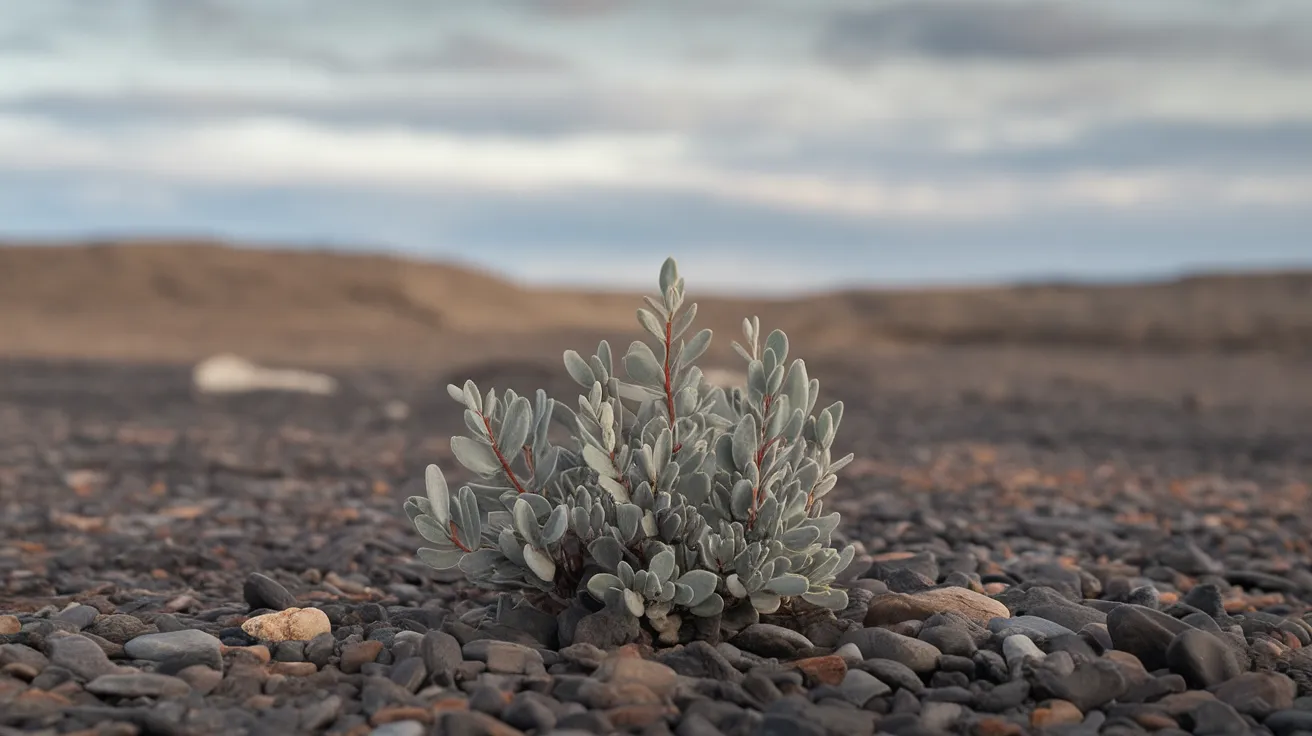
(409, 673)
(118, 628)
(139, 684)
(1071, 616)
(949, 640)
(607, 629)
(1202, 659)
(894, 673)
(261, 591)
(78, 615)
(1143, 632)
(923, 563)
(442, 655)
(1288, 722)
(876, 643)
(527, 711)
(192, 643)
(79, 655)
(1004, 696)
(1089, 686)
(320, 649)
(1214, 718)
(1258, 694)
(768, 640)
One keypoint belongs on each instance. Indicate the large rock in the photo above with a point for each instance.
(1143, 632)
(876, 643)
(892, 608)
(1202, 659)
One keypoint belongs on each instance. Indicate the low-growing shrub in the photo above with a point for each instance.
(673, 498)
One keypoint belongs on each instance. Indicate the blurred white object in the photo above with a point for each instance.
(226, 374)
(724, 378)
(396, 410)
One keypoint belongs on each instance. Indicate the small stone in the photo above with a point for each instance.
(78, 615)
(300, 624)
(1072, 617)
(1055, 713)
(1258, 694)
(1202, 659)
(1288, 722)
(894, 673)
(859, 687)
(357, 654)
(118, 628)
(504, 657)
(1088, 686)
(826, 670)
(940, 717)
(293, 669)
(768, 640)
(319, 650)
(262, 591)
(879, 643)
(1018, 648)
(528, 713)
(655, 676)
(138, 685)
(1031, 626)
(1144, 632)
(79, 655)
(399, 714)
(1004, 697)
(892, 608)
(10, 625)
(400, 728)
(193, 644)
(607, 629)
(1214, 718)
(410, 673)
(202, 679)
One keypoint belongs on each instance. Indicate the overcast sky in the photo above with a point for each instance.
(768, 144)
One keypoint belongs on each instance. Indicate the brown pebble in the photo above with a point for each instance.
(258, 651)
(828, 670)
(626, 670)
(293, 669)
(356, 655)
(638, 716)
(1154, 721)
(991, 726)
(401, 713)
(1056, 713)
(10, 625)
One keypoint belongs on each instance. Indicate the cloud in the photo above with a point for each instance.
(1031, 31)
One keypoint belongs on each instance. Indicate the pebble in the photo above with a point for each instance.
(768, 640)
(1017, 649)
(79, 655)
(10, 625)
(194, 645)
(1258, 694)
(138, 685)
(874, 643)
(261, 591)
(78, 615)
(1202, 659)
(892, 608)
(858, 687)
(1143, 632)
(299, 624)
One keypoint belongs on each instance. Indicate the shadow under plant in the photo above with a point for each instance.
(683, 510)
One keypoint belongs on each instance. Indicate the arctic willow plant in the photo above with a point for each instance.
(673, 498)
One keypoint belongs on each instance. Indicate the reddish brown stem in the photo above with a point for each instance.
(505, 465)
(669, 393)
(455, 538)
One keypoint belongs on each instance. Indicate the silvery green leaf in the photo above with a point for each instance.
(578, 519)
(578, 369)
(603, 354)
(510, 546)
(438, 493)
(490, 402)
(431, 530)
(662, 565)
(544, 466)
(778, 342)
(669, 526)
(599, 461)
(607, 551)
(642, 366)
(712, 606)
(797, 385)
(701, 584)
(540, 505)
(470, 523)
(456, 392)
(666, 593)
(745, 439)
(651, 587)
(684, 321)
(669, 277)
(526, 523)
(742, 352)
(651, 324)
(799, 538)
(539, 563)
(625, 573)
(835, 599)
(481, 562)
(841, 462)
(775, 379)
(735, 586)
(845, 558)
(473, 400)
(765, 602)
(695, 487)
(824, 429)
(633, 602)
(476, 456)
(682, 594)
(441, 559)
(616, 490)
(417, 506)
(740, 499)
(695, 347)
(516, 425)
(628, 517)
(557, 524)
(600, 583)
(649, 524)
(788, 584)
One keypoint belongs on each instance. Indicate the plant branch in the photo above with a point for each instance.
(505, 464)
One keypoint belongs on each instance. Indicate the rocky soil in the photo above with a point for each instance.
(1053, 543)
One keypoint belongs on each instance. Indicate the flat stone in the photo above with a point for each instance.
(655, 676)
(138, 685)
(607, 629)
(292, 624)
(504, 657)
(1031, 626)
(859, 687)
(79, 655)
(892, 608)
(1018, 648)
(768, 640)
(78, 615)
(10, 625)
(1143, 632)
(1055, 713)
(193, 644)
(827, 670)
(876, 643)
(1090, 685)
(442, 656)
(1073, 617)
(118, 628)
(1258, 694)
(357, 654)
(895, 674)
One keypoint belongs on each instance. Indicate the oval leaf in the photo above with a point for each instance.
(539, 563)
(712, 606)
(438, 493)
(834, 599)
(607, 552)
(442, 559)
(474, 455)
(662, 565)
(641, 365)
(557, 524)
(789, 584)
(701, 584)
(600, 583)
(516, 425)
(578, 369)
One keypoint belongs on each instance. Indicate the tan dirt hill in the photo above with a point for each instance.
(182, 301)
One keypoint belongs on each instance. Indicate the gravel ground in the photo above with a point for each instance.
(1109, 546)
